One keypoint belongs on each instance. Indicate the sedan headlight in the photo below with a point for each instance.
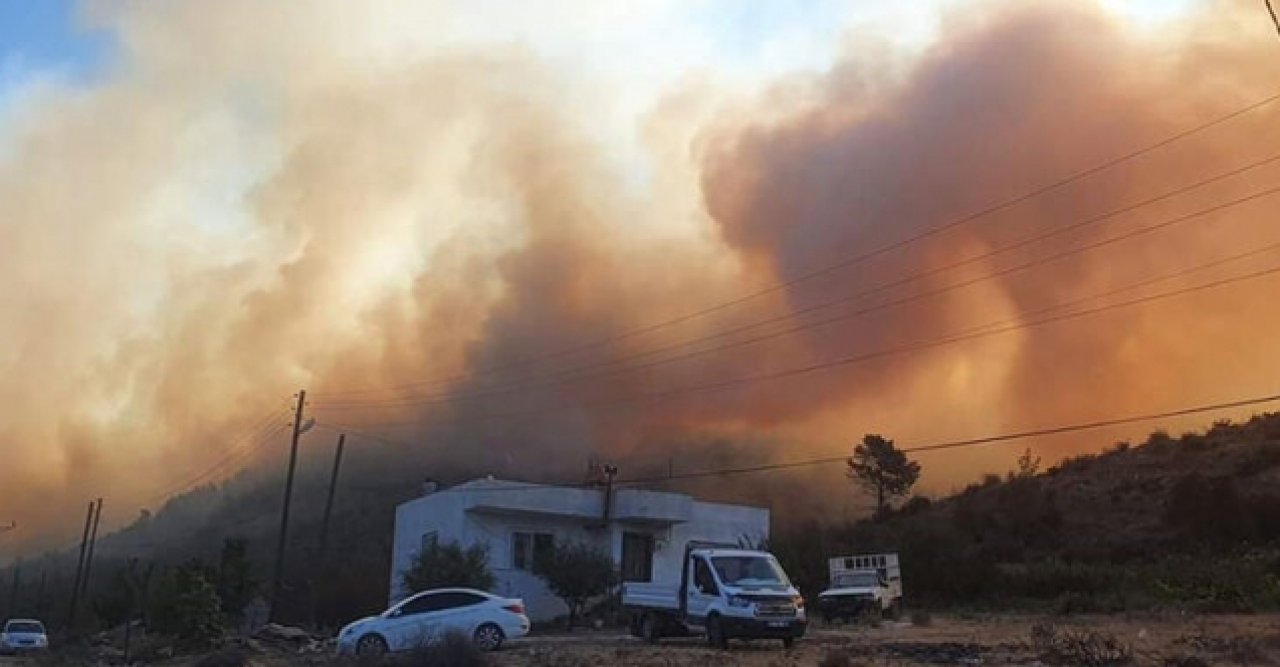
(739, 601)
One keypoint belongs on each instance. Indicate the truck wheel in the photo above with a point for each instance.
(894, 612)
(715, 633)
(649, 630)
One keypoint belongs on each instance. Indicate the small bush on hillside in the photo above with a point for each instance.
(1160, 441)
(1208, 509)
(916, 505)
(1259, 461)
(440, 565)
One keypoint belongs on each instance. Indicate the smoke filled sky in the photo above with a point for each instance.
(456, 225)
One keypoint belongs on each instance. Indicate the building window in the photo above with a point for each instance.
(530, 549)
(429, 540)
(637, 556)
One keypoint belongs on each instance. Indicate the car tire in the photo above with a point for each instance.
(489, 637)
(650, 628)
(371, 646)
(715, 633)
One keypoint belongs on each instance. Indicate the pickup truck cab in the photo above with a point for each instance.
(860, 585)
(725, 593)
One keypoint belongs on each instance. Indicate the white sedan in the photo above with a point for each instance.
(427, 617)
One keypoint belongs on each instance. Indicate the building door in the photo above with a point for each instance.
(637, 557)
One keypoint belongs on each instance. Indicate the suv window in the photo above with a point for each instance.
(24, 627)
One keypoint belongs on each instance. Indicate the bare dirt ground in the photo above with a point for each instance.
(1026, 640)
(1163, 640)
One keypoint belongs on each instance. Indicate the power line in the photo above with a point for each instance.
(918, 449)
(846, 262)
(1271, 10)
(981, 331)
(972, 442)
(454, 397)
(256, 437)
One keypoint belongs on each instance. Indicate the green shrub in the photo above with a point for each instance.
(440, 565)
(575, 573)
(186, 605)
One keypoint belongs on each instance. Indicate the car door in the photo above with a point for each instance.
(459, 611)
(702, 591)
(409, 626)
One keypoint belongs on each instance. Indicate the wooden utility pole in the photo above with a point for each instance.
(277, 581)
(328, 503)
(88, 560)
(75, 586)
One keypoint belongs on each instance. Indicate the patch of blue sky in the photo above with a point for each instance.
(45, 42)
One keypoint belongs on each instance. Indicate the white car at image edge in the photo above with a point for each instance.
(23, 635)
(428, 617)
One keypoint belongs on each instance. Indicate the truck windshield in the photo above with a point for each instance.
(749, 571)
(24, 627)
(856, 580)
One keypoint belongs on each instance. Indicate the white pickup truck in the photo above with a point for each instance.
(724, 592)
(870, 583)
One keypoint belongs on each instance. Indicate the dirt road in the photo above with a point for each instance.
(1146, 640)
(1159, 640)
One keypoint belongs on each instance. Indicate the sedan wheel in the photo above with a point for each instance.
(371, 646)
(489, 637)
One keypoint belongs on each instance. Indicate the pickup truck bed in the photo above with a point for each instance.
(651, 596)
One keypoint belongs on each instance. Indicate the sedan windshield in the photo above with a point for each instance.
(749, 571)
(24, 627)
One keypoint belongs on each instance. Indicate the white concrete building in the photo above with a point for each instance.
(645, 531)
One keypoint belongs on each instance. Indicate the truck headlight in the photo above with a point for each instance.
(739, 601)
